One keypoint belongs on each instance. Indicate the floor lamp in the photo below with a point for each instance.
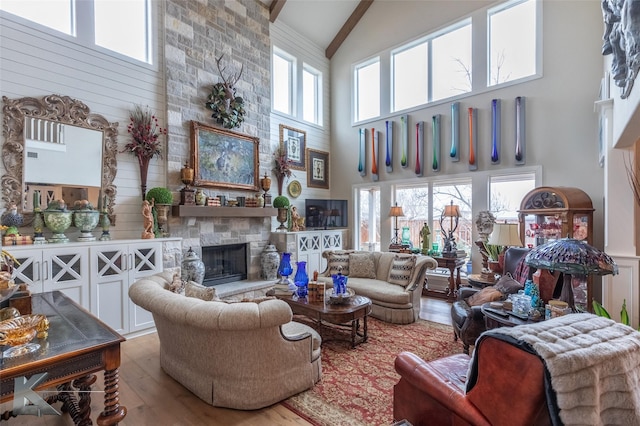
(396, 212)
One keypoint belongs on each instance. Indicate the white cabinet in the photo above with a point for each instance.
(63, 268)
(96, 275)
(113, 268)
(308, 246)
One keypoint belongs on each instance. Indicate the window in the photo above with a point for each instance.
(451, 63)
(512, 41)
(415, 206)
(367, 84)
(283, 66)
(94, 22)
(311, 94)
(369, 218)
(134, 15)
(410, 76)
(55, 14)
(506, 193)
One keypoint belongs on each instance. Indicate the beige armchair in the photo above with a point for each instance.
(242, 355)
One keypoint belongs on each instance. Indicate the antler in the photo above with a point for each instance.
(228, 82)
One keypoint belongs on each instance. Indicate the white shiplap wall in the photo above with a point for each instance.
(318, 137)
(36, 61)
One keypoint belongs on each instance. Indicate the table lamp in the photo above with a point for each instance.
(396, 212)
(504, 235)
(571, 257)
(452, 212)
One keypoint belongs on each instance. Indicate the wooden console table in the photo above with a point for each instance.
(453, 264)
(78, 345)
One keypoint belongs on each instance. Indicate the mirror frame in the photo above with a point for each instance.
(62, 109)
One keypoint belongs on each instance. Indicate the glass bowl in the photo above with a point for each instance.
(18, 332)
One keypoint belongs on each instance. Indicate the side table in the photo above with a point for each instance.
(476, 280)
(453, 264)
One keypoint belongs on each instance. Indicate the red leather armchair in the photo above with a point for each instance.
(508, 388)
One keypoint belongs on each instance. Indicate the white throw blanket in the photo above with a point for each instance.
(594, 364)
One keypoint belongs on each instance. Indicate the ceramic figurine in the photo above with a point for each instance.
(147, 217)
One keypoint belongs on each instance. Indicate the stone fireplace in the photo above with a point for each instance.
(224, 264)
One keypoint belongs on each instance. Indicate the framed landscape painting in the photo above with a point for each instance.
(224, 158)
(317, 169)
(293, 142)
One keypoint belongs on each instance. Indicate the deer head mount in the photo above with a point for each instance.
(228, 109)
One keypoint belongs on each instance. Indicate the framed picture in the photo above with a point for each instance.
(293, 142)
(318, 169)
(223, 158)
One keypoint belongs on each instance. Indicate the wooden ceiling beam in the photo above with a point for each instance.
(348, 26)
(274, 9)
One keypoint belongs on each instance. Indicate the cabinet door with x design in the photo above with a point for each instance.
(55, 268)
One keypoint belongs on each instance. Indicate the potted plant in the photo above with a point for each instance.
(493, 252)
(282, 204)
(161, 200)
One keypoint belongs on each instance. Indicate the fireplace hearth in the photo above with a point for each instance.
(224, 264)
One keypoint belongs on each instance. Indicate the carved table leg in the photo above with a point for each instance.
(83, 385)
(113, 413)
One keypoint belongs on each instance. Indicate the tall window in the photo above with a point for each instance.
(512, 41)
(451, 62)
(410, 76)
(311, 94)
(56, 14)
(282, 77)
(94, 22)
(135, 16)
(367, 84)
(505, 194)
(415, 206)
(369, 219)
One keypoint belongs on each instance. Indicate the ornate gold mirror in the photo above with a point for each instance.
(49, 145)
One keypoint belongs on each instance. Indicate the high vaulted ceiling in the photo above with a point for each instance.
(327, 23)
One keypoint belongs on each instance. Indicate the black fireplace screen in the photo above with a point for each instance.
(224, 264)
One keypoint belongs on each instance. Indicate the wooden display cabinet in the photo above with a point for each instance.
(551, 213)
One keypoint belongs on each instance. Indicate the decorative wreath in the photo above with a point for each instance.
(227, 112)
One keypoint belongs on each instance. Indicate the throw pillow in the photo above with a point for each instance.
(362, 265)
(487, 294)
(401, 270)
(338, 262)
(193, 289)
(507, 285)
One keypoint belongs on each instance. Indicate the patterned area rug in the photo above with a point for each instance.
(357, 384)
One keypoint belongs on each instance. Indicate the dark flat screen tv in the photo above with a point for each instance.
(325, 214)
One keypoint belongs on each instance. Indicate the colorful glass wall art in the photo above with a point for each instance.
(374, 154)
(419, 169)
(520, 131)
(404, 135)
(435, 128)
(495, 131)
(388, 160)
(472, 114)
(454, 152)
(362, 157)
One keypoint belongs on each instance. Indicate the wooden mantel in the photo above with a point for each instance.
(206, 211)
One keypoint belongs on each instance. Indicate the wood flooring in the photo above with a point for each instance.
(153, 398)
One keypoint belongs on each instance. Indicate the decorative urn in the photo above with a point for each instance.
(58, 219)
(269, 262)
(86, 221)
(192, 267)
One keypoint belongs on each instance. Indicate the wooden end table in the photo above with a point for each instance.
(347, 314)
(453, 264)
(476, 280)
(78, 345)
(492, 319)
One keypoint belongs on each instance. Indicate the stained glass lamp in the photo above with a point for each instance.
(571, 257)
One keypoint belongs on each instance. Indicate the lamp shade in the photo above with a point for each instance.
(396, 211)
(571, 256)
(451, 210)
(505, 234)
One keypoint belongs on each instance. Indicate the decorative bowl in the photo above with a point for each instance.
(86, 221)
(338, 299)
(21, 330)
(58, 222)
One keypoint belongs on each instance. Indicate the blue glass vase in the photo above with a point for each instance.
(339, 284)
(301, 280)
(285, 270)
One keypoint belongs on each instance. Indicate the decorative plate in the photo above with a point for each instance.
(295, 189)
(335, 299)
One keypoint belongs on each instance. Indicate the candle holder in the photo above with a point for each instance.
(265, 184)
(187, 194)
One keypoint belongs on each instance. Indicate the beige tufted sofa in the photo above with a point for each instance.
(243, 355)
(399, 304)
